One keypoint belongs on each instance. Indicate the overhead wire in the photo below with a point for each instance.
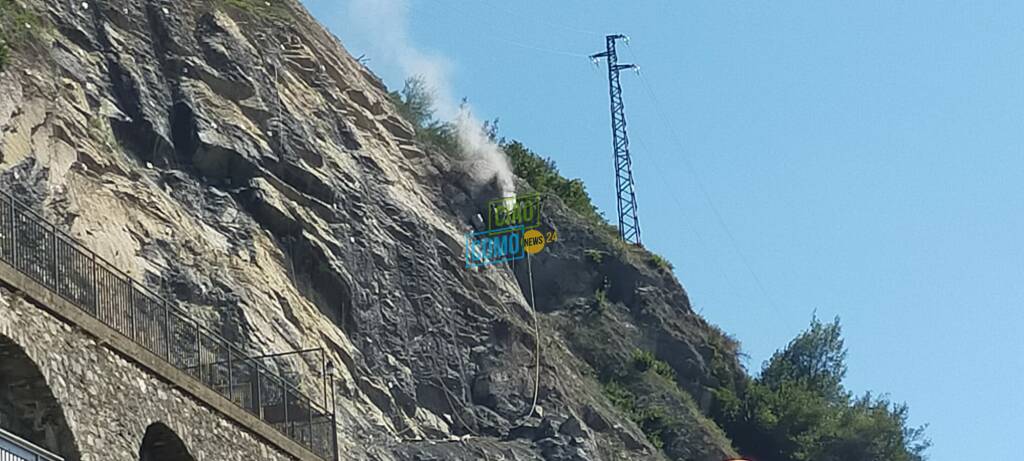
(658, 169)
(537, 48)
(674, 136)
(490, 35)
(498, 5)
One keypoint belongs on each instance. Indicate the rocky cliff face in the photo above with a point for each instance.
(232, 154)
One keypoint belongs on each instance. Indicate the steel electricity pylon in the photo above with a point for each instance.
(629, 224)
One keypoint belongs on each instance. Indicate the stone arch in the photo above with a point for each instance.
(28, 407)
(162, 444)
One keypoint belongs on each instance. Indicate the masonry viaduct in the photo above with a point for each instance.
(76, 386)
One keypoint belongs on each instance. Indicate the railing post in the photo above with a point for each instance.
(231, 391)
(131, 309)
(167, 330)
(258, 396)
(7, 240)
(14, 234)
(95, 288)
(284, 400)
(53, 257)
(309, 404)
(199, 354)
(334, 419)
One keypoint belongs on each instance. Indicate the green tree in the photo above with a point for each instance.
(798, 409)
(815, 359)
(416, 101)
(873, 428)
(416, 104)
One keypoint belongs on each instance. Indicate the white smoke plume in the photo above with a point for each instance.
(386, 24)
(483, 160)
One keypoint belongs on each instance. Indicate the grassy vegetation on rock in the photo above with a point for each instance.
(645, 360)
(18, 25)
(659, 262)
(266, 9)
(641, 387)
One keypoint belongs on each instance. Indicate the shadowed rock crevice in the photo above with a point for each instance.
(136, 134)
(183, 132)
(321, 283)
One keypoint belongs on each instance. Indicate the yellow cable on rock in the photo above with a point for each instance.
(536, 340)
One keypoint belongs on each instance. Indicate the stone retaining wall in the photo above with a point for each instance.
(109, 401)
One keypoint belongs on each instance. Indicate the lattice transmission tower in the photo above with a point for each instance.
(629, 224)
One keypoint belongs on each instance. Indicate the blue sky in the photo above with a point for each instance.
(860, 159)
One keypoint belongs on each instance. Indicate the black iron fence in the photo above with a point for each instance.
(37, 249)
(14, 448)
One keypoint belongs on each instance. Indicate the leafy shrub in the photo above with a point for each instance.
(440, 135)
(542, 174)
(645, 360)
(621, 397)
(651, 421)
(654, 422)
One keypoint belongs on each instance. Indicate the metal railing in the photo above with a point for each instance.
(55, 260)
(14, 448)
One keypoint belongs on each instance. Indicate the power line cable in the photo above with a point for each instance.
(700, 185)
(490, 34)
(537, 48)
(498, 5)
(675, 197)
